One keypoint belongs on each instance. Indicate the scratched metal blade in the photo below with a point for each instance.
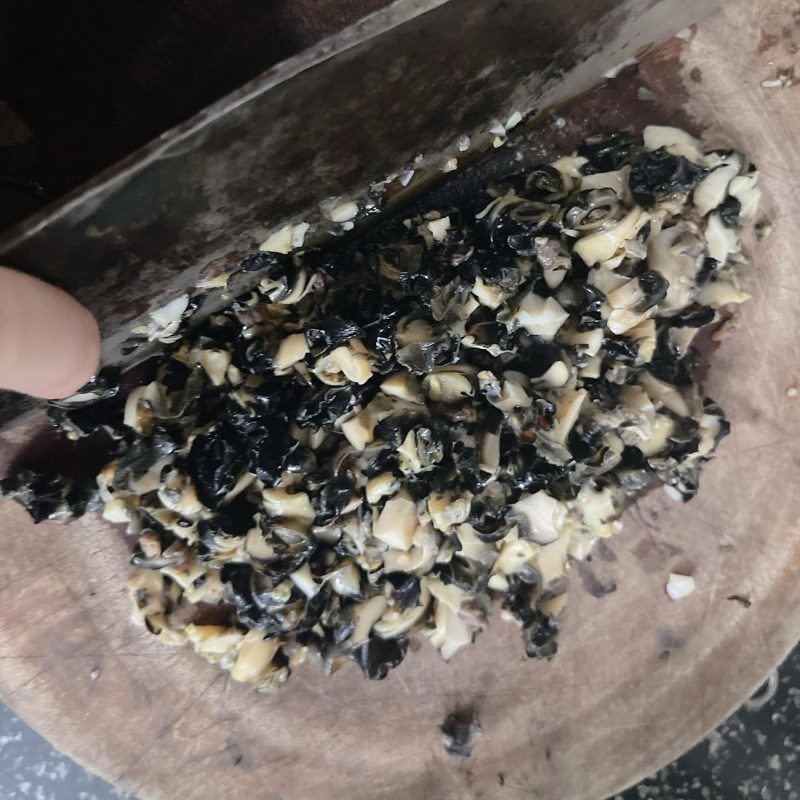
(329, 122)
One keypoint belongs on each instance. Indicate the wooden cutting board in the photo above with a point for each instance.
(638, 678)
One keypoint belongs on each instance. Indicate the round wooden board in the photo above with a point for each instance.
(638, 678)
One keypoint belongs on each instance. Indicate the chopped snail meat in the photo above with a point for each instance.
(539, 517)
(711, 191)
(570, 166)
(745, 189)
(383, 436)
(664, 394)
(138, 413)
(447, 387)
(597, 508)
(419, 558)
(346, 362)
(589, 342)
(674, 141)
(254, 659)
(622, 320)
(551, 562)
(359, 430)
(447, 511)
(345, 580)
(214, 361)
(453, 628)
(291, 350)
(722, 241)
(716, 294)
(514, 555)
(602, 246)
(568, 407)
(165, 322)
(304, 580)
(404, 386)
(616, 180)
(556, 376)
(381, 486)
(677, 255)
(278, 242)
(438, 228)
(396, 523)
(344, 212)
(491, 296)
(366, 615)
(280, 503)
(541, 316)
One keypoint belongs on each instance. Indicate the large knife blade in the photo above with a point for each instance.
(405, 82)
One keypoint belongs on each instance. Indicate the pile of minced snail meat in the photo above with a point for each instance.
(395, 435)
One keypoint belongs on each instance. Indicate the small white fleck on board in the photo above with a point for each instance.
(679, 586)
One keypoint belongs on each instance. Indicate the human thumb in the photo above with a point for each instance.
(49, 343)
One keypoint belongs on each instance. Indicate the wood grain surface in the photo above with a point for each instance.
(638, 678)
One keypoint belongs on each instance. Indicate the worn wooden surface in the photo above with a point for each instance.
(638, 678)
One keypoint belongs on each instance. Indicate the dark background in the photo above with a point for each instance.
(84, 83)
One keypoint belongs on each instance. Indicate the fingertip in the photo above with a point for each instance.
(49, 343)
(82, 360)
